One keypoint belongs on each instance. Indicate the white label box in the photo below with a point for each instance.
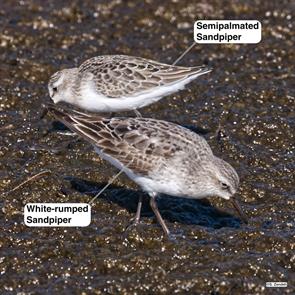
(276, 284)
(57, 214)
(227, 31)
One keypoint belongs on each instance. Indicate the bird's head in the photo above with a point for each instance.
(61, 83)
(226, 179)
(223, 181)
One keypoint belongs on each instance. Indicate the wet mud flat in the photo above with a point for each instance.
(250, 93)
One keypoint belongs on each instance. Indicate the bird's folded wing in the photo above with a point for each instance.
(137, 142)
(125, 76)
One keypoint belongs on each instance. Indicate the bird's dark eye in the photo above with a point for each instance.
(54, 89)
(224, 186)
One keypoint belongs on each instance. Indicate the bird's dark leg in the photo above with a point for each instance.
(138, 114)
(158, 215)
(138, 211)
(135, 221)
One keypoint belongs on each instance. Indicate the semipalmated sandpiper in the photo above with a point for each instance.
(161, 157)
(113, 83)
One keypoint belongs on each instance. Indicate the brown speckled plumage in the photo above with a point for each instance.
(122, 75)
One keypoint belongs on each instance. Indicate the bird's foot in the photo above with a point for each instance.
(133, 223)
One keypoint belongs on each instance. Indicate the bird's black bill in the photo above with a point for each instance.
(43, 112)
(239, 210)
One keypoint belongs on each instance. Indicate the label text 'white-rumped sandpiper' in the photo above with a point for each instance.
(57, 214)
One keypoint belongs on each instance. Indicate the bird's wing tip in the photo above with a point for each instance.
(203, 69)
(56, 112)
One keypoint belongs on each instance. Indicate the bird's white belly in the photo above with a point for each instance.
(166, 186)
(94, 101)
